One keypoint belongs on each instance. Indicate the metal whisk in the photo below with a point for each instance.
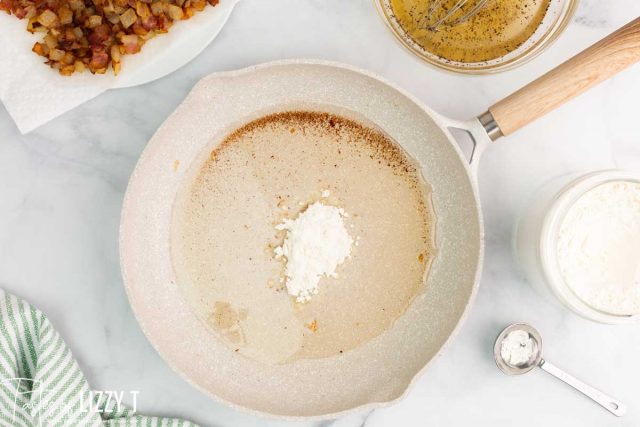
(456, 14)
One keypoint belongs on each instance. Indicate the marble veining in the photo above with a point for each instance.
(62, 187)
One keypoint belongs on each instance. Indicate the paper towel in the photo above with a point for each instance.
(34, 94)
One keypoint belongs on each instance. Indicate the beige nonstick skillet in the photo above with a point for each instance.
(381, 370)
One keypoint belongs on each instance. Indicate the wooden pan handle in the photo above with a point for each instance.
(593, 65)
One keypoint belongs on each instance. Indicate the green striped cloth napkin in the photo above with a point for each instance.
(41, 384)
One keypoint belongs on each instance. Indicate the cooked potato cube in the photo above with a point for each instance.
(174, 12)
(48, 19)
(128, 18)
(94, 21)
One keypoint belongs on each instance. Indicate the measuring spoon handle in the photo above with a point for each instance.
(612, 405)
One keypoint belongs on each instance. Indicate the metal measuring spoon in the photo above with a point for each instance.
(612, 405)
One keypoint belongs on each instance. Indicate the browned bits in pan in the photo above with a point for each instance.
(94, 34)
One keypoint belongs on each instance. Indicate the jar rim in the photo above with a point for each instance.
(564, 199)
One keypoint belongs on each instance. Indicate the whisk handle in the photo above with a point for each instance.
(600, 61)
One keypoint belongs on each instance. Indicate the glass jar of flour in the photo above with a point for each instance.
(579, 241)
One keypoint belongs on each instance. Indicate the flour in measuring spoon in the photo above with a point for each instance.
(517, 348)
(316, 243)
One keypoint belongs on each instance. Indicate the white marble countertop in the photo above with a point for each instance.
(62, 185)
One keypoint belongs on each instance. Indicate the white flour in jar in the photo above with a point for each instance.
(317, 242)
(598, 248)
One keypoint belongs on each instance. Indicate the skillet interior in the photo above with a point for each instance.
(380, 370)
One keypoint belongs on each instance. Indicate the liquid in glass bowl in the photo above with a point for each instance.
(503, 34)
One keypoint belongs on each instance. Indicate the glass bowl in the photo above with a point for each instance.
(554, 22)
(536, 233)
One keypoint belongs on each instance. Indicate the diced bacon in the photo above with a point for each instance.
(150, 23)
(99, 59)
(130, 43)
(99, 35)
(92, 34)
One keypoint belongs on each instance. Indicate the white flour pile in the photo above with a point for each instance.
(517, 348)
(317, 242)
(598, 248)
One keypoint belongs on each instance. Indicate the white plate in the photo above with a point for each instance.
(167, 53)
(33, 94)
